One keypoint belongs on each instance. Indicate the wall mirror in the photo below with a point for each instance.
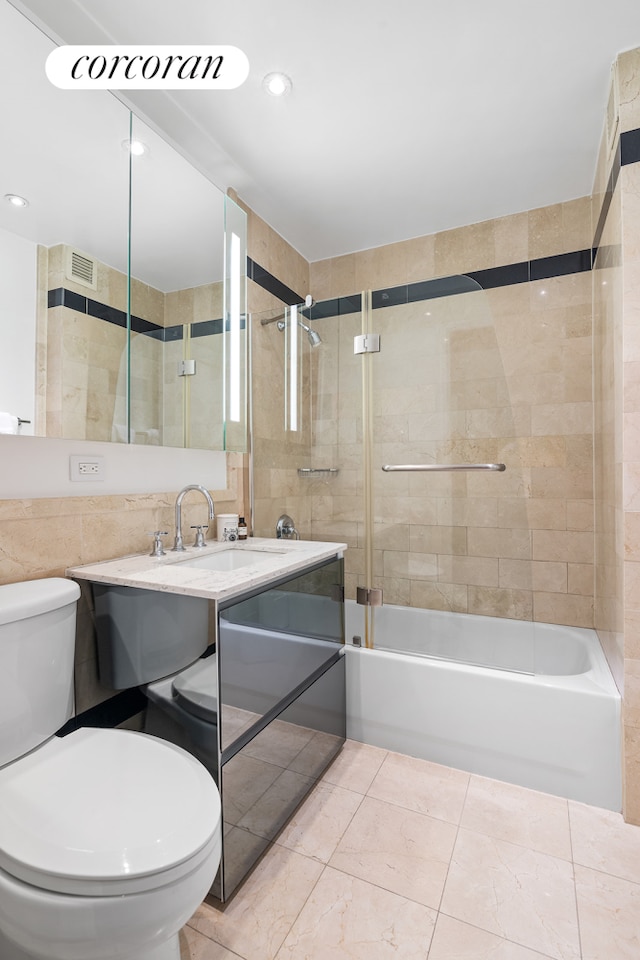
(122, 279)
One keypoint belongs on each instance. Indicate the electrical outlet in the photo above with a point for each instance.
(86, 468)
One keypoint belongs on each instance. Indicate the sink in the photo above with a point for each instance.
(232, 559)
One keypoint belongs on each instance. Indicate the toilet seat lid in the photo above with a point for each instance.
(196, 688)
(103, 805)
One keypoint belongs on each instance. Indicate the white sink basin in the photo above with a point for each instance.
(232, 559)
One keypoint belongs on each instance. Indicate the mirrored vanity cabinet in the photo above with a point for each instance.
(252, 684)
(124, 271)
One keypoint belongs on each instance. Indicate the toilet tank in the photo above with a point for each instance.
(37, 643)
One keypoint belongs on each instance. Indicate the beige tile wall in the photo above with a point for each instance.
(82, 365)
(277, 452)
(498, 375)
(191, 404)
(616, 282)
(82, 360)
(41, 538)
(629, 75)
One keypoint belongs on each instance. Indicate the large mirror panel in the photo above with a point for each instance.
(63, 155)
(177, 298)
(112, 275)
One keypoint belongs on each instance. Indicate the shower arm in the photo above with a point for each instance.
(439, 467)
(281, 316)
(308, 302)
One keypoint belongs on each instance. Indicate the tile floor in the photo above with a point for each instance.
(392, 857)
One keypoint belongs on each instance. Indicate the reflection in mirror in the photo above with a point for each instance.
(177, 285)
(102, 341)
(63, 155)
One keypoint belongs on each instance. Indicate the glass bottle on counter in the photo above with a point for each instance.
(242, 529)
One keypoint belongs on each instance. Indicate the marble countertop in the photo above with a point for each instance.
(169, 573)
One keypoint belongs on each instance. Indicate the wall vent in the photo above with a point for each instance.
(81, 269)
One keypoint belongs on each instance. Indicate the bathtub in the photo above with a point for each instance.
(545, 714)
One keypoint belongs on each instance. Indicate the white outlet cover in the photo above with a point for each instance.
(78, 466)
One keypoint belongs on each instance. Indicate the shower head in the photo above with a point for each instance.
(313, 337)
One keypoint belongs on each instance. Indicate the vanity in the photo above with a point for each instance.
(238, 652)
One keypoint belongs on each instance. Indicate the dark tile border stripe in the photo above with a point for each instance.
(608, 196)
(268, 282)
(577, 261)
(502, 276)
(543, 268)
(61, 297)
(561, 265)
(629, 147)
(627, 151)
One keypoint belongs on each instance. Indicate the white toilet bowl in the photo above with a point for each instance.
(109, 840)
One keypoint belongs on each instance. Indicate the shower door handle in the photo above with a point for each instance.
(439, 467)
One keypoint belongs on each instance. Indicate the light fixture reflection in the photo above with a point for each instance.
(137, 148)
(15, 200)
(293, 369)
(234, 331)
(277, 84)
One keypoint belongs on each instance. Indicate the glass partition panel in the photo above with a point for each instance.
(451, 540)
(235, 342)
(285, 367)
(177, 283)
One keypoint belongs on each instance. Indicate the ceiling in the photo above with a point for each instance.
(405, 118)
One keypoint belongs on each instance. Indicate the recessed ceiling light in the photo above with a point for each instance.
(15, 200)
(137, 148)
(277, 84)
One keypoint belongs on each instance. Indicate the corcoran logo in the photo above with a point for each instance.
(147, 67)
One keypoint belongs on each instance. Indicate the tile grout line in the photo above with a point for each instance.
(575, 886)
(438, 909)
(324, 865)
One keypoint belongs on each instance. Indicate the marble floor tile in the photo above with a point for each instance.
(609, 914)
(318, 824)
(507, 812)
(515, 893)
(314, 756)
(453, 940)
(355, 766)
(384, 841)
(349, 919)
(279, 743)
(195, 946)
(244, 781)
(405, 852)
(421, 786)
(271, 811)
(256, 920)
(602, 840)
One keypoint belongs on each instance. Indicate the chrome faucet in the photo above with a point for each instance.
(178, 544)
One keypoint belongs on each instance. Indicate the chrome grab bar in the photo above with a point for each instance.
(436, 467)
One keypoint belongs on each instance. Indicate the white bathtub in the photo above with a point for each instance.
(556, 729)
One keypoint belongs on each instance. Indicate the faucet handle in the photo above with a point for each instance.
(199, 527)
(286, 528)
(157, 549)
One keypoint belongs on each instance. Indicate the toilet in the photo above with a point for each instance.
(183, 708)
(109, 839)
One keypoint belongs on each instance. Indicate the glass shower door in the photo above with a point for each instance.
(451, 540)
